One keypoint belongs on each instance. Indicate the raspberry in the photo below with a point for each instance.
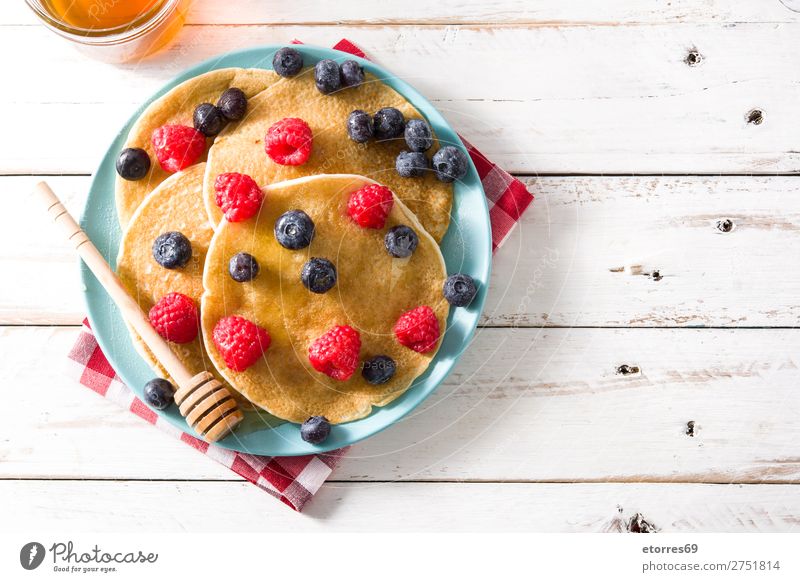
(369, 206)
(175, 317)
(418, 329)
(240, 341)
(335, 353)
(238, 196)
(177, 146)
(288, 142)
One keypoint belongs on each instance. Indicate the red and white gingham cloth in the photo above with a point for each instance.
(293, 480)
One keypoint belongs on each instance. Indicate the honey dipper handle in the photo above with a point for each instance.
(130, 309)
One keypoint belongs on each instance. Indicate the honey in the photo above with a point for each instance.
(115, 31)
(101, 14)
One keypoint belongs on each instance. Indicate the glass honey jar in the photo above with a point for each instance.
(114, 30)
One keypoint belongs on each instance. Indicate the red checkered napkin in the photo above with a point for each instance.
(293, 480)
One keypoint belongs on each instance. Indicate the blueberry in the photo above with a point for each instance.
(233, 104)
(287, 62)
(411, 164)
(450, 164)
(359, 126)
(315, 430)
(378, 370)
(172, 250)
(133, 163)
(318, 275)
(243, 267)
(294, 230)
(208, 120)
(327, 76)
(401, 241)
(389, 123)
(352, 73)
(418, 134)
(159, 393)
(459, 290)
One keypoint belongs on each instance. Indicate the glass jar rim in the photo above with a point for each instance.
(133, 28)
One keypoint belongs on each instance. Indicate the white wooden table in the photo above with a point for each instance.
(636, 125)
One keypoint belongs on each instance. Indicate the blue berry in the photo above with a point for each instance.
(294, 230)
(315, 430)
(318, 275)
(159, 393)
(388, 123)
(243, 267)
(359, 126)
(401, 241)
(208, 120)
(172, 250)
(232, 104)
(459, 290)
(287, 62)
(378, 370)
(411, 164)
(450, 163)
(327, 76)
(352, 73)
(133, 164)
(418, 134)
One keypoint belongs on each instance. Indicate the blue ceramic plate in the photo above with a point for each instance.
(466, 247)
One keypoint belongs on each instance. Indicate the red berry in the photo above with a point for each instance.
(175, 317)
(238, 196)
(240, 342)
(335, 353)
(288, 142)
(178, 146)
(418, 329)
(369, 206)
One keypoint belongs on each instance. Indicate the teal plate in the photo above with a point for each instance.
(467, 248)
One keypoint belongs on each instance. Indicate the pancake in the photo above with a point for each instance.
(175, 205)
(240, 147)
(177, 107)
(372, 291)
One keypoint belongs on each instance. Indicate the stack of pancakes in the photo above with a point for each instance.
(373, 288)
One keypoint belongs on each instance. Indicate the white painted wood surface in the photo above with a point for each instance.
(169, 506)
(490, 12)
(586, 255)
(523, 405)
(535, 430)
(586, 98)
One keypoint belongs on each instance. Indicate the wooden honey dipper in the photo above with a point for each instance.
(209, 407)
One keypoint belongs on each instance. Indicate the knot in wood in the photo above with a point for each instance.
(725, 225)
(694, 58)
(755, 117)
(627, 370)
(638, 524)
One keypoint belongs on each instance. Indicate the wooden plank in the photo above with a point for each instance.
(652, 251)
(522, 405)
(589, 99)
(585, 254)
(91, 506)
(43, 271)
(473, 11)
